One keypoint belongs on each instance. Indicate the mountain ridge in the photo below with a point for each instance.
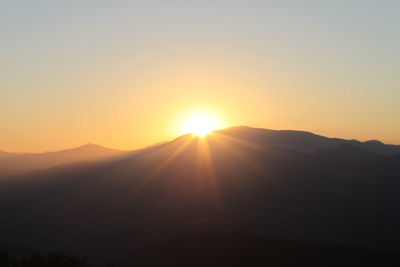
(392, 149)
(218, 183)
(303, 141)
(15, 164)
(289, 140)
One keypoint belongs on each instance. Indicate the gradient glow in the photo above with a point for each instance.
(125, 74)
(200, 124)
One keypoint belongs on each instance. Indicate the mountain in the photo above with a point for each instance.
(4, 154)
(296, 141)
(18, 163)
(346, 153)
(302, 141)
(223, 183)
(377, 147)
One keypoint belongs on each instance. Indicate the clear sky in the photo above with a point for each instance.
(124, 74)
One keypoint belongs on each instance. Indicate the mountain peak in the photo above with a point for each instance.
(89, 145)
(376, 142)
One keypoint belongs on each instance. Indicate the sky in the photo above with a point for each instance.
(125, 74)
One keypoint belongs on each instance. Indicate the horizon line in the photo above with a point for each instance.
(171, 140)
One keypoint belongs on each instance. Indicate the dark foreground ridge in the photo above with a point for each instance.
(43, 260)
(223, 249)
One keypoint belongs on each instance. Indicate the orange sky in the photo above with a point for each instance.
(125, 75)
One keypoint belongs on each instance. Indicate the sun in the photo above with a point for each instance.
(200, 124)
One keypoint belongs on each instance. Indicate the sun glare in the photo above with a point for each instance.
(200, 124)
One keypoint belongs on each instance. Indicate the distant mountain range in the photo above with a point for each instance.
(297, 141)
(302, 141)
(18, 163)
(4, 154)
(288, 185)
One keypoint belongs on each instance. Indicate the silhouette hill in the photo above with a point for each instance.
(18, 163)
(232, 181)
(302, 141)
(4, 154)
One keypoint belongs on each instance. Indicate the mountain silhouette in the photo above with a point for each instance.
(296, 141)
(237, 180)
(17, 163)
(302, 141)
(4, 154)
